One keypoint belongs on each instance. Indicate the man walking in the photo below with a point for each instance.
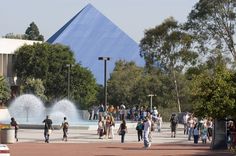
(173, 124)
(47, 128)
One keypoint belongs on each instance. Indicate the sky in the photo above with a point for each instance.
(131, 16)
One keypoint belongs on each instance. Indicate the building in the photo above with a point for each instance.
(7, 50)
(90, 35)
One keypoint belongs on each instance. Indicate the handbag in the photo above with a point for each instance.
(49, 131)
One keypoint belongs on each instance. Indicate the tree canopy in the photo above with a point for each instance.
(212, 22)
(32, 33)
(50, 64)
(213, 92)
(4, 90)
(170, 47)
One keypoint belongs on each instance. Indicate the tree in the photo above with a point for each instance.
(121, 83)
(213, 92)
(170, 47)
(14, 36)
(212, 22)
(4, 90)
(32, 33)
(34, 86)
(84, 87)
(50, 64)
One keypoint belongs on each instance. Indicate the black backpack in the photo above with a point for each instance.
(174, 120)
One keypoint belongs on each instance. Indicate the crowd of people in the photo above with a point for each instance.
(148, 121)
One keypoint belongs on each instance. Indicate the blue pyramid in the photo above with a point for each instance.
(90, 35)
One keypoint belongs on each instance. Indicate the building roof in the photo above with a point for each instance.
(90, 35)
(9, 46)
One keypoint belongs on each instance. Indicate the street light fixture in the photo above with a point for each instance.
(151, 95)
(105, 59)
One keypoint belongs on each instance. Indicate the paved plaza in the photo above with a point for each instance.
(85, 142)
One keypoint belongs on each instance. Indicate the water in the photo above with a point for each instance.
(64, 108)
(27, 108)
(30, 109)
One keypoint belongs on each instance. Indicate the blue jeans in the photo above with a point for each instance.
(122, 137)
(146, 139)
(190, 133)
(196, 137)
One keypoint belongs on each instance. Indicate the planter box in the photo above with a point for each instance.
(7, 136)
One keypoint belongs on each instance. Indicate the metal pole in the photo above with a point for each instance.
(151, 95)
(105, 59)
(105, 83)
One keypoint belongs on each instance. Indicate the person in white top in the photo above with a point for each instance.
(146, 130)
(155, 112)
(185, 121)
(190, 127)
(159, 122)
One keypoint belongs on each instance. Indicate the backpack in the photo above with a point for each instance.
(174, 120)
(66, 125)
(139, 127)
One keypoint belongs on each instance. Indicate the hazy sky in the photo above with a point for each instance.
(132, 16)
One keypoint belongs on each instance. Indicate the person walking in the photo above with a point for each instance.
(139, 129)
(196, 133)
(190, 127)
(204, 133)
(96, 112)
(173, 124)
(112, 127)
(108, 124)
(101, 127)
(146, 132)
(159, 122)
(65, 127)
(91, 112)
(16, 127)
(122, 130)
(47, 128)
(185, 122)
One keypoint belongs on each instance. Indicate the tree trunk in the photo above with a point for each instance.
(177, 93)
(219, 138)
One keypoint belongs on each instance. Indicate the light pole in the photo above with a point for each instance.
(105, 59)
(151, 95)
(68, 82)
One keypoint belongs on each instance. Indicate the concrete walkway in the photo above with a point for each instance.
(86, 142)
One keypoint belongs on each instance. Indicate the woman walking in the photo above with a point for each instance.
(139, 129)
(122, 130)
(65, 126)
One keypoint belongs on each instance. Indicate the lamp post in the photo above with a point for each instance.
(68, 82)
(105, 59)
(151, 95)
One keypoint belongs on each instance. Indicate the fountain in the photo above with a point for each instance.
(64, 108)
(27, 108)
(29, 111)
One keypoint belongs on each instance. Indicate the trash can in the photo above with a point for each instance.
(4, 150)
(7, 136)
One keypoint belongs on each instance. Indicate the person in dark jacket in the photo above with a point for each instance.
(47, 128)
(16, 127)
(122, 130)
